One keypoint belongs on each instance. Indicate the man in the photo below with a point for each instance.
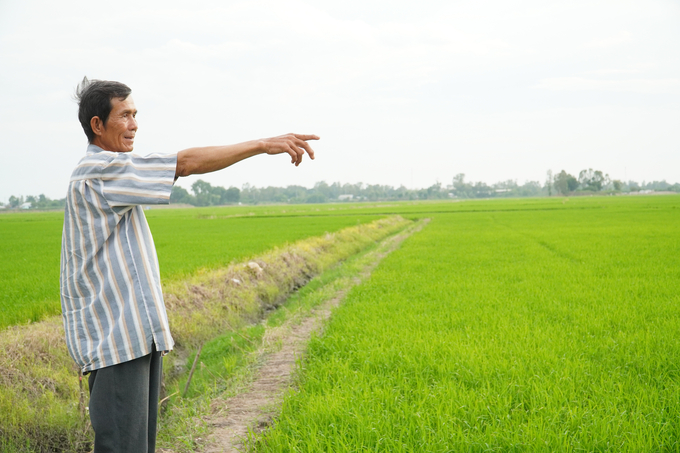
(113, 311)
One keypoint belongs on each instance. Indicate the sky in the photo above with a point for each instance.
(400, 92)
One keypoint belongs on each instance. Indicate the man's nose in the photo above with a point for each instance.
(132, 124)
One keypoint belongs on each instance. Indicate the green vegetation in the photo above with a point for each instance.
(33, 202)
(550, 329)
(545, 324)
(186, 240)
(42, 403)
(30, 246)
(227, 361)
(588, 182)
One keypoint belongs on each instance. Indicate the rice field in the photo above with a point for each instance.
(504, 330)
(186, 240)
(504, 325)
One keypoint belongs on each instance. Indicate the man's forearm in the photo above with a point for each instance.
(206, 159)
(196, 161)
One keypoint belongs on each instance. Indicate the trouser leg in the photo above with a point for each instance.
(155, 380)
(124, 405)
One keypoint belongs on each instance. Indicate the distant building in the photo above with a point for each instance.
(345, 197)
(27, 205)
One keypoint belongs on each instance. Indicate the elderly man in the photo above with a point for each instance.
(113, 311)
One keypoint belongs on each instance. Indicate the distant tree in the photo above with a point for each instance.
(482, 190)
(592, 180)
(529, 189)
(618, 185)
(43, 202)
(657, 185)
(459, 181)
(37, 202)
(15, 202)
(205, 193)
(323, 189)
(461, 188)
(180, 195)
(565, 183)
(218, 195)
(316, 198)
(233, 195)
(572, 183)
(201, 187)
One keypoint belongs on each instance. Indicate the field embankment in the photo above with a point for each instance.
(42, 403)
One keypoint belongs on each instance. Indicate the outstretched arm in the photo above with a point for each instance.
(194, 161)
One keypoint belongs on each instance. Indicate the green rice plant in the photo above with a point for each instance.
(30, 245)
(191, 239)
(536, 329)
(186, 240)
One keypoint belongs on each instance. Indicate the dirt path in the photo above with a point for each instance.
(258, 404)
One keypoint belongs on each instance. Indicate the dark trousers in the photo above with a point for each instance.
(124, 405)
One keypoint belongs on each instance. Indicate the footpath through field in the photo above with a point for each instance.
(253, 408)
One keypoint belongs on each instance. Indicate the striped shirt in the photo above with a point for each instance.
(111, 298)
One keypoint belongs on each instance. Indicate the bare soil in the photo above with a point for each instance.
(254, 408)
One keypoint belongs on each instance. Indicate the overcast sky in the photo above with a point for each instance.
(401, 92)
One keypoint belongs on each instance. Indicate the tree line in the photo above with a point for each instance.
(34, 202)
(202, 193)
(588, 182)
(591, 181)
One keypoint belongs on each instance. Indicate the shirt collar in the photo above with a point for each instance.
(93, 149)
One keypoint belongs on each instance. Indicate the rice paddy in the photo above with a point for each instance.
(504, 325)
(550, 330)
(186, 240)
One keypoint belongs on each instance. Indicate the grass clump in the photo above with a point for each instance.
(42, 407)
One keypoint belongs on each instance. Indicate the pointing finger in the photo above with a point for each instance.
(306, 137)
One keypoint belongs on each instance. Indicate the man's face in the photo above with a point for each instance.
(119, 132)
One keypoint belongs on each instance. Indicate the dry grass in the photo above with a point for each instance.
(41, 402)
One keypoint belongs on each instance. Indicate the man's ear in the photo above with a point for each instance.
(96, 125)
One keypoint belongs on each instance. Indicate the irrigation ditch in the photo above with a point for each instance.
(43, 399)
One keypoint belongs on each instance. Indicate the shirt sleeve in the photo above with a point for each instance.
(131, 180)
